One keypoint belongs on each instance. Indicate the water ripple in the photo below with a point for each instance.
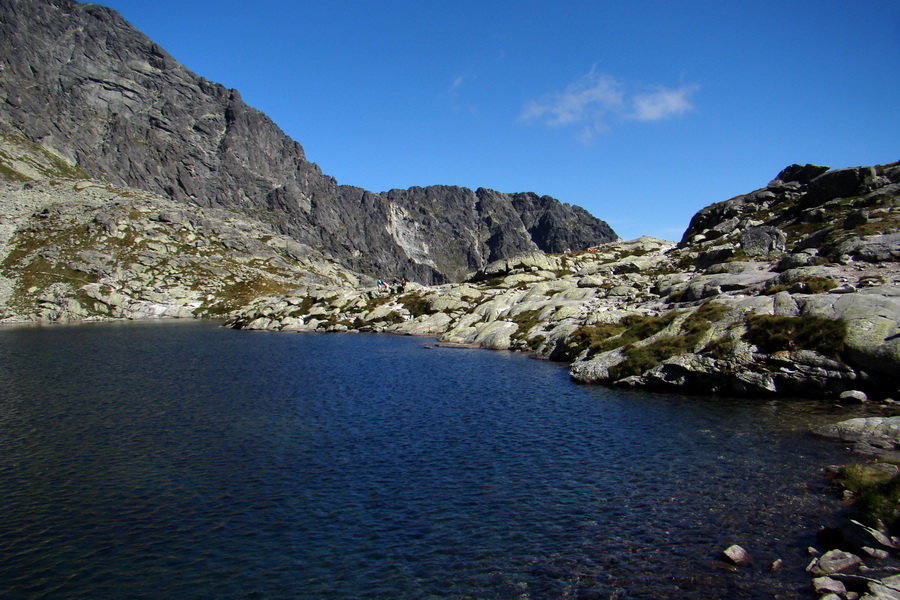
(184, 460)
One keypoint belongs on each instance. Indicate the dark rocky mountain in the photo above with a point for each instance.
(80, 79)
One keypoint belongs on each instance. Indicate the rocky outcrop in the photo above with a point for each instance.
(78, 79)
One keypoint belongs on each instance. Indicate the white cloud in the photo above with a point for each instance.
(596, 99)
(663, 103)
(585, 103)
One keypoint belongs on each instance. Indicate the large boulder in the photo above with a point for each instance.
(839, 183)
(763, 241)
(802, 174)
(876, 432)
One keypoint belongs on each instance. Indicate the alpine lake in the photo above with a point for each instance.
(181, 459)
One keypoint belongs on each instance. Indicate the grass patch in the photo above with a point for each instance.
(536, 342)
(9, 174)
(241, 293)
(819, 334)
(640, 359)
(806, 285)
(719, 348)
(595, 338)
(526, 321)
(700, 321)
(628, 330)
(417, 305)
(876, 493)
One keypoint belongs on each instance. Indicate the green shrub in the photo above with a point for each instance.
(628, 330)
(774, 289)
(526, 320)
(594, 337)
(806, 285)
(536, 342)
(774, 334)
(639, 327)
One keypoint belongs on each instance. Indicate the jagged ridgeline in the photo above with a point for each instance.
(79, 79)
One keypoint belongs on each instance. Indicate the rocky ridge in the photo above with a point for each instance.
(79, 79)
(793, 289)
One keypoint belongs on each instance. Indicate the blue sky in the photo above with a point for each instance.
(642, 112)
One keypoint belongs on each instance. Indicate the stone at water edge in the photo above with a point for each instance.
(854, 396)
(887, 589)
(825, 585)
(736, 555)
(834, 561)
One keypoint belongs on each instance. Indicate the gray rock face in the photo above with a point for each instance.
(810, 207)
(78, 78)
(762, 241)
(798, 173)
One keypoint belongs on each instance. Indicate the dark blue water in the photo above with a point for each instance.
(184, 460)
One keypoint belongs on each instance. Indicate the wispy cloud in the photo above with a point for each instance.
(663, 103)
(596, 100)
(588, 99)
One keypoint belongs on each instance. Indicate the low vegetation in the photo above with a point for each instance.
(417, 305)
(876, 493)
(630, 330)
(526, 321)
(807, 285)
(772, 333)
(640, 359)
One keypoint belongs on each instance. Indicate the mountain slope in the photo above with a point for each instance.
(79, 79)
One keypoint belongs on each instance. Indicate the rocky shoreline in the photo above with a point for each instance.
(797, 294)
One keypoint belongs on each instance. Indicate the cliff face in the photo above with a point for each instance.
(81, 80)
